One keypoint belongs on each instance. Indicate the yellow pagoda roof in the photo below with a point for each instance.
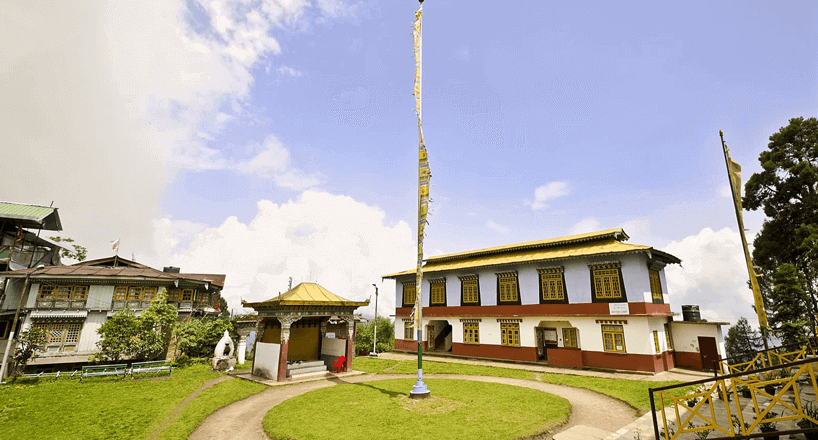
(574, 246)
(308, 294)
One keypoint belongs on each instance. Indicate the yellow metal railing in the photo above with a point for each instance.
(718, 404)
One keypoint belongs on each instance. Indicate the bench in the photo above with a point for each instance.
(151, 367)
(55, 376)
(104, 370)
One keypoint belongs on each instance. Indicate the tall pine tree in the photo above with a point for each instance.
(741, 339)
(788, 302)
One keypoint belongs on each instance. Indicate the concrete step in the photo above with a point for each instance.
(310, 375)
(315, 369)
(304, 365)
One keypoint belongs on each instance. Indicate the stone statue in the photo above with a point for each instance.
(220, 361)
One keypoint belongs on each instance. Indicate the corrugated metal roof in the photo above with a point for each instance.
(308, 294)
(31, 216)
(102, 272)
(510, 255)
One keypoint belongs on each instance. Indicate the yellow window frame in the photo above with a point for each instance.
(510, 333)
(656, 342)
(569, 338)
(470, 292)
(552, 286)
(409, 330)
(613, 338)
(607, 283)
(655, 284)
(409, 293)
(508, 288)
(46, 292)
(438, 293)
(471, 332)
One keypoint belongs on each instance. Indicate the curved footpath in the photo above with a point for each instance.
(243, 419)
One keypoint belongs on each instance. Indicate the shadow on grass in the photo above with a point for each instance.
(382, 390)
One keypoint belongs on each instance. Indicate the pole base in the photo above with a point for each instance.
(419, 391)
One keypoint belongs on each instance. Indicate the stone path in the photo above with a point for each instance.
(593, 416)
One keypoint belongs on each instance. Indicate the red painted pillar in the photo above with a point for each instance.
(350, 352)
(282, 360)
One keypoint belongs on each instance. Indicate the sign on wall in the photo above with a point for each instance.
(618, 309)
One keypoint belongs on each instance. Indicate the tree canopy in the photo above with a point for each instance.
(741, 339)
(787, 192)
(386, 335)
(144, 337)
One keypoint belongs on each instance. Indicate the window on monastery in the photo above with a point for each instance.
(606, 282)
(134, 293)
(149, 293)
(471, 332)
(120, 293)
(409, 293)
(46, 292)
(174, 295)
(507, 288)
(63, 293)
(469, 290)
(187, 294)
(437, 292)
(552, 285)
(656, 342)
(613, 338)
(655, 285)
(409, 330)
(667, 338)
(79, 293)
(510, 333)
(569, 338)
(60, 336)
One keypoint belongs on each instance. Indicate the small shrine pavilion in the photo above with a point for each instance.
(307, 323)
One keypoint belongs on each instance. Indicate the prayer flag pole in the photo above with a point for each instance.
(419, 390)
(734, 174)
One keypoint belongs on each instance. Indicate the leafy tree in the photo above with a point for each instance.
(30, 343)
(787, 304)
(144, 337)
(198, 337)
(741, 339)
(80, 253)
(787, 191)
(386, 335)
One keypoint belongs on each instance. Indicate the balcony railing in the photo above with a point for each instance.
(61, 304)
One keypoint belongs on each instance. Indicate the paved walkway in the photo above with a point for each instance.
(593, 416)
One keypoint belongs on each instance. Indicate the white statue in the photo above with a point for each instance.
(224, 342)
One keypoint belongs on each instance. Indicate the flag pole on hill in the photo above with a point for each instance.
(734, 175)
(419, 390)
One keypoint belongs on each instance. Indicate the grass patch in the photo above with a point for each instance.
(206, 403)
(372, 365)
(381, 410)
(632, 392)
(97, 408)
(431, 367)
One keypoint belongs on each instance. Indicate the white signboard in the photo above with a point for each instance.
(618, 309)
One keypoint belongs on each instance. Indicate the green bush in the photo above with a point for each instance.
(386, 335)
(198, 337)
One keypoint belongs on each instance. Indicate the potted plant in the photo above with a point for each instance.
(768, 377)
(744, 391)
(691, 402)
(737, 426)
(769, 426)
(810, 410)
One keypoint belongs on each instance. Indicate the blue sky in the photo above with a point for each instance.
(278, 139)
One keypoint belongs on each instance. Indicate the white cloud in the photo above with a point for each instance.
(128, 103)
(342, 244)
(289, 71)
(585, 225)
(272, 162)
(496, 227)
(713, 275)
(547, 192)
(724, 191)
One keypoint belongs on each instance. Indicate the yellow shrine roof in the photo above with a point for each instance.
(573, 246)
(308, 294)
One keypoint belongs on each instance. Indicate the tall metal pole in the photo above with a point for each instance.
(375, 337)
(735, 190)
(419, 390)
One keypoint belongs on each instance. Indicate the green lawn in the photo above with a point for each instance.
(632, 392)
(458, 409)
(108, 408)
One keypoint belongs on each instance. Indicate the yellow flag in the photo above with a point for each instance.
(734, 173)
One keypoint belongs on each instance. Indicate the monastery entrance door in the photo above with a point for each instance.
(546, 337)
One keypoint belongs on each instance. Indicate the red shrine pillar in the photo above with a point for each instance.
(350, 343)
(285, 344)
